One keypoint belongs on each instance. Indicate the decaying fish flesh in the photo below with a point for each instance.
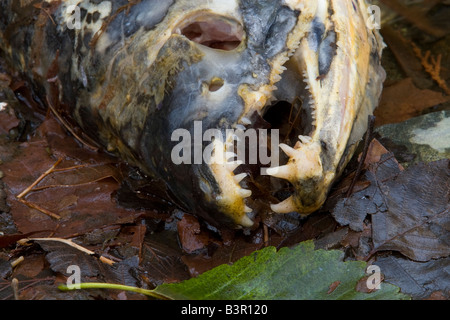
(129, 73)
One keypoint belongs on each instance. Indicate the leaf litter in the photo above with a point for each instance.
(395, 218)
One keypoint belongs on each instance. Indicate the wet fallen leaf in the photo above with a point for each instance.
(416, 219)
(30, 267)
(419, 279)
(352, 211)
(8, 119)
(191, 236)
(81, 186)
(297, 273)
(404, 100)
(333, 287)
(162, 261)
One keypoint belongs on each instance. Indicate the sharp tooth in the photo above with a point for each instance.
(244, 193)
(247, 209)
(276, 78)
(238, 178)
(283, 172)
(246, 121)
(286, 206)
(241, 127)
(246, 221)
(305, 139)
(231, 166)
(288, 150)
(230, 155)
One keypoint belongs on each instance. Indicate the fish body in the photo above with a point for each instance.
(130, 74)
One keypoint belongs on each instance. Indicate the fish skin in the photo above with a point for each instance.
(128, 79)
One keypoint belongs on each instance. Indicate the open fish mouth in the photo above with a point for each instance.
(179, 88)
(319, 90)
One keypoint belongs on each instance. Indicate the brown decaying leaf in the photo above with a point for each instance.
(191, 236)
(409, 208)
(417, 220)
(78, 191)
(8, 120)
(333, 287)
(404, 100)
(421, 280)
(416, 17)
(405, 57)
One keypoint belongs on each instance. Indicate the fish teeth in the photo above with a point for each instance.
(284, 172)
(246, 221)
(230, 155)
(245, 193)
(231, 166)
(305, 139)
(238, 178)
(286, 206)
(288, 150)
(241, 127)
(248, 210)
(246, 121)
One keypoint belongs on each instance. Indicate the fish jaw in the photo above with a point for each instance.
(334, 58)
(245, 78)
(340, 63)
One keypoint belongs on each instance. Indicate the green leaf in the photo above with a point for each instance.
(298, 273)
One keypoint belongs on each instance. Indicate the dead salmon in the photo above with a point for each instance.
(162, 83)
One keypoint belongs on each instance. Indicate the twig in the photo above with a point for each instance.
(291, 127)
(96, 285)
(72, 244)
(44, 211)
(432, 66)
(30, 188)
(69, 128)
(367, 141)
(266, 236)
(15, 288)
(16, 262)
(46, 173)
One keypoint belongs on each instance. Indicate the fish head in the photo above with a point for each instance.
(225, 66)
(212, 71)
(180, 88)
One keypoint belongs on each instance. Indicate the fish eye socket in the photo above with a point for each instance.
(213, 31)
